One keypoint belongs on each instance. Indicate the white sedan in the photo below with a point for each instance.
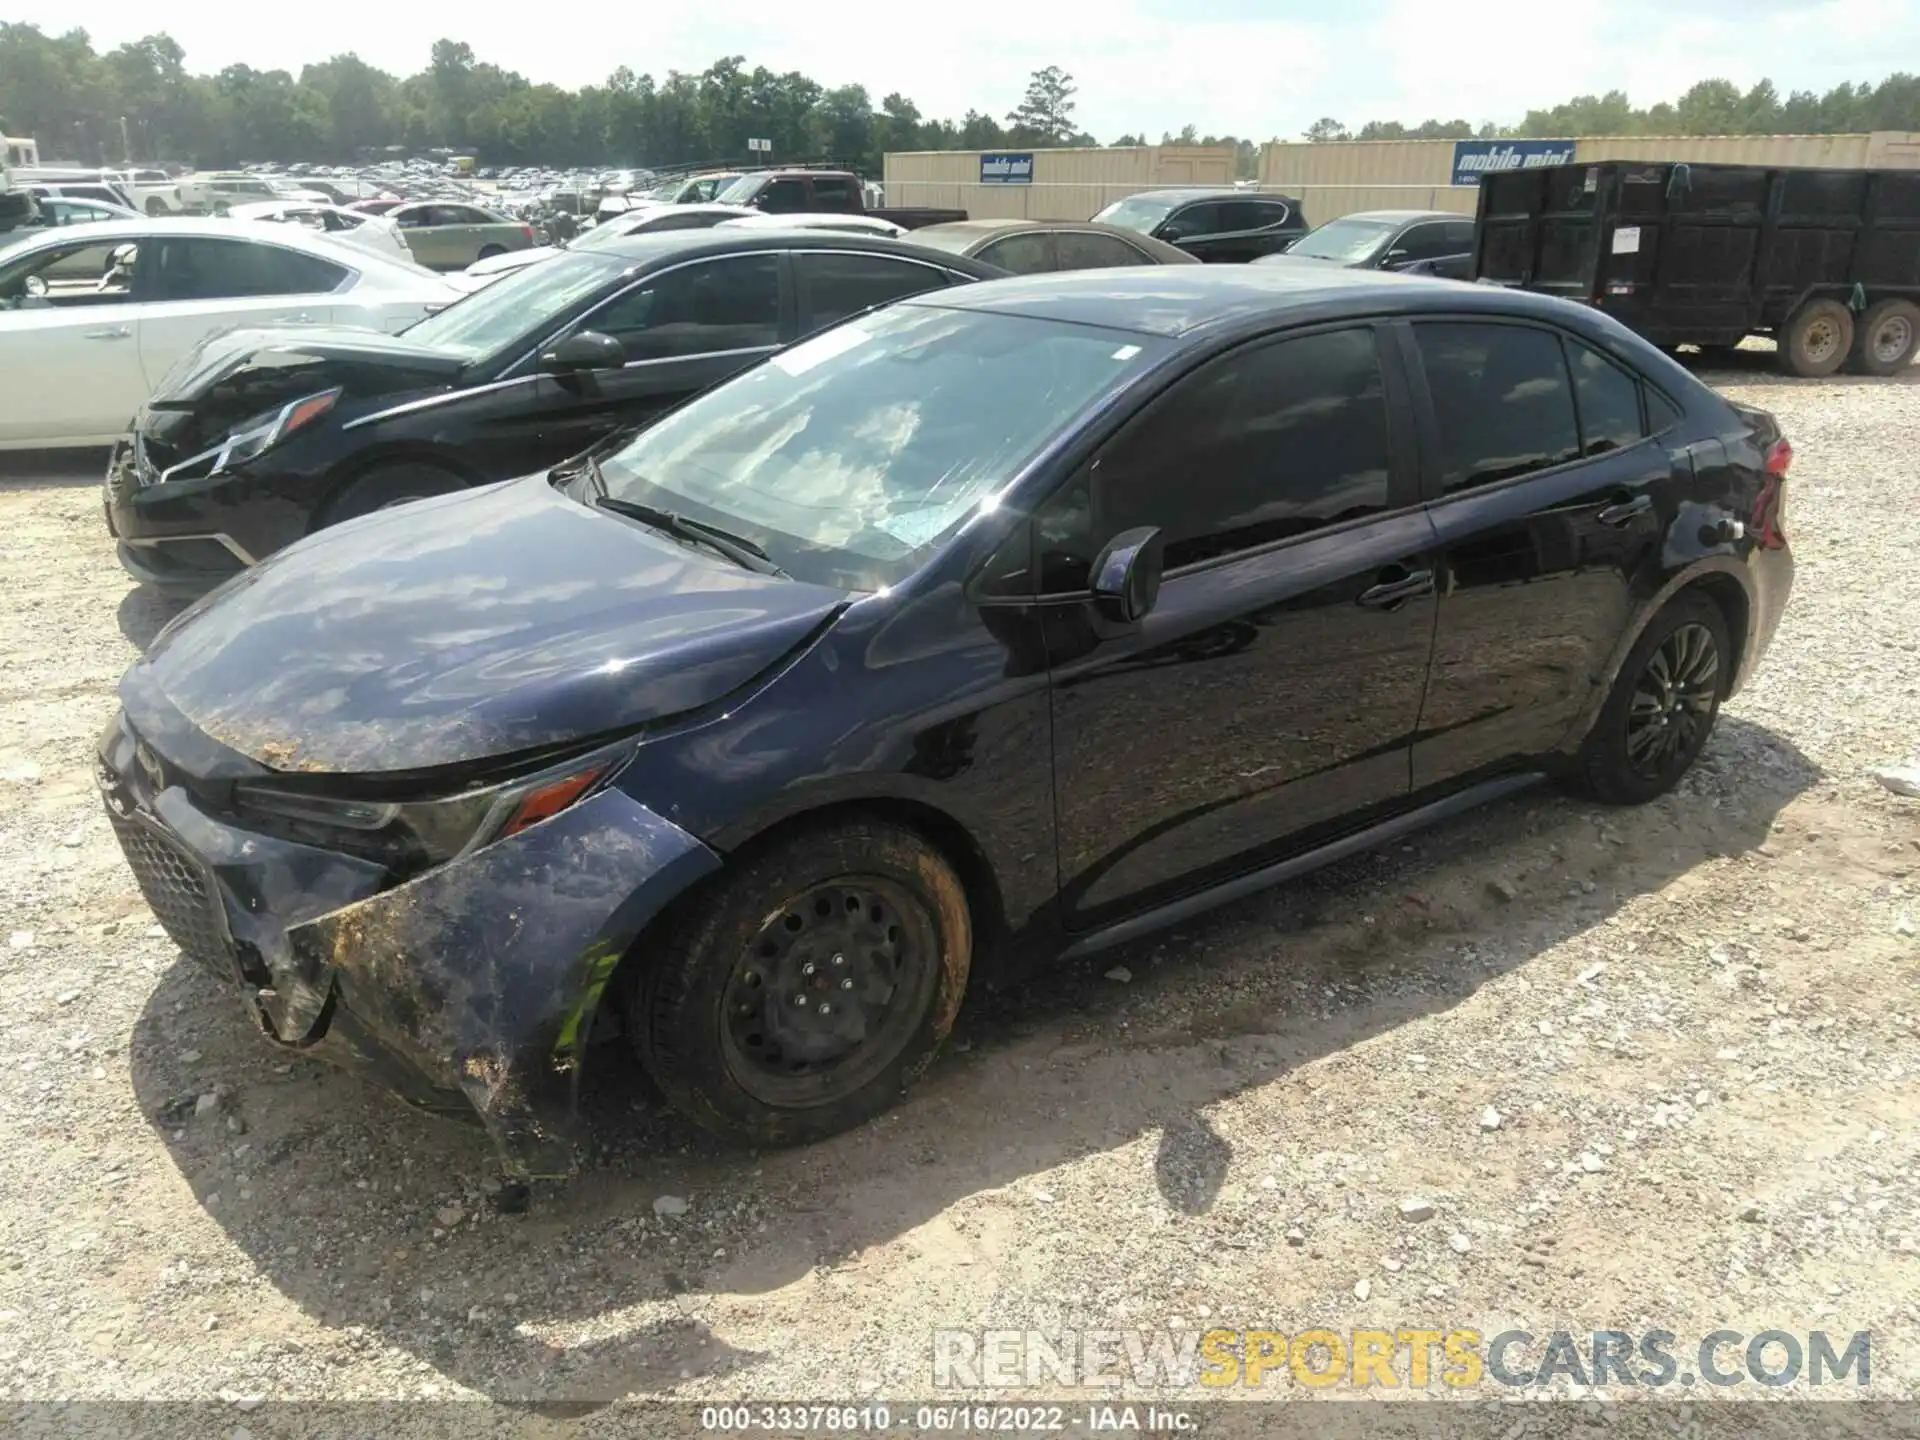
(78, 357)
(643, 218)
(349, 227)
(821, 220)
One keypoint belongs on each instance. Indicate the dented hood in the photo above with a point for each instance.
(476, 625)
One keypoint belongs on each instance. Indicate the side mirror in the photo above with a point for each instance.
(36, 286)
(1126, 575)
(583, 350)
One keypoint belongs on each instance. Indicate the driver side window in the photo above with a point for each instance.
(80, 273)
(731, 304)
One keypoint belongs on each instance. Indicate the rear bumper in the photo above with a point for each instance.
(1770, 574)
(468, 990)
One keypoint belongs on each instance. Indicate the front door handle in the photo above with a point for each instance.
(1626, 511)
(303, 318)
(1406, 585)
(116, 332)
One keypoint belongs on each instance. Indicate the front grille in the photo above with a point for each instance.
(179, 891)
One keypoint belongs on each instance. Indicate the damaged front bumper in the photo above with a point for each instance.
(468, 990)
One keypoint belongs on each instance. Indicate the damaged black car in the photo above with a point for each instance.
(1012, 619)
(264, 436)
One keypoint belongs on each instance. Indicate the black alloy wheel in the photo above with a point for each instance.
(1673, 701)
(1662, 706)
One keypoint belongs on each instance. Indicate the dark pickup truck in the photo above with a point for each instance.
(1826, 261)
(823, 192)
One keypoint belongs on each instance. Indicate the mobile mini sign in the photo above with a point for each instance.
(1474, 158)
(1006, 169)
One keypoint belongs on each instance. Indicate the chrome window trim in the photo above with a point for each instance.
(428, 402)
(227, 542)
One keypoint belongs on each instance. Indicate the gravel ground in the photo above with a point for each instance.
(1648, 1069)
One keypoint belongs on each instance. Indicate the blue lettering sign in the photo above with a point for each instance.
(1005, 169)
(1474, 158)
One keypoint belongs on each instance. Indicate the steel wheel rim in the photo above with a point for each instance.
(1892, 339)
(1673, 702)
(1822, 339)
(829, 991)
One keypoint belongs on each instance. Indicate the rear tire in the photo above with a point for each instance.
(487, 252)
(1817, 339)
(1886, 338)
(385, 486)
(806, 989)
(1662, 707)
(156, 207)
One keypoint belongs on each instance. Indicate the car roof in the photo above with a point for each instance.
(1400, 217)
(677, 245)
(1186, 300)
(267, 232)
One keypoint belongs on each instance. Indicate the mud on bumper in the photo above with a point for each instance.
(467, 990)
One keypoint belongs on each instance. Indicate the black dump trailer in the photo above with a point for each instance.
(1826, 261)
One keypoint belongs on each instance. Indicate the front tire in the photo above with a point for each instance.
(805, 990)
(385, 486)
(1662, 707)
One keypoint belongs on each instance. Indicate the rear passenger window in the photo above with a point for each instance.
(1027, 253)
(1662, 414)
(1608, 399)
(1258, 446)
(1085, 250)
(1501, 401)
(836, 286)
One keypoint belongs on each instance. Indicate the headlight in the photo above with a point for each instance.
(411, 835)
(237, 449)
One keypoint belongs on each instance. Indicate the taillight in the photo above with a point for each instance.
(1769, 518)
(527, 230)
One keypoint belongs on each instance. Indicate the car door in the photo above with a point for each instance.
(836, 194)
(1090, 250)
(1418, 248)
(683, 329)
(1025, 252)
(1254, 228)
(1269, 698)
(1549, 503)
(422, 228)
(480, 231)
(830, 285)
(193, 286)
(784, 196)
(1195, 228)
(69, 358)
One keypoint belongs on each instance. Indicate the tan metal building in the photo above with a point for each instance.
(1335, 178)
(1065, 184)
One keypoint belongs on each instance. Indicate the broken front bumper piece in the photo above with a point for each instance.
(468, 990)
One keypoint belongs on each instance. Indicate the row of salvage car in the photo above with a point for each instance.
(727, 641)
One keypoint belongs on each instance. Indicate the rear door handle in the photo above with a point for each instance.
(117, 332)
(1627, 511)
(303, 318)
(1389, 593)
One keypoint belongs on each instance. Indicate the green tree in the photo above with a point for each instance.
(1327, 128)
(1044, 115)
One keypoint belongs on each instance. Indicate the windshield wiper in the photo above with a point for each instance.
(737, 548)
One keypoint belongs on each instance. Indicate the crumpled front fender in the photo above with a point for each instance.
(484, 974)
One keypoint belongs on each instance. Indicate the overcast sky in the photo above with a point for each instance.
(1255, 68)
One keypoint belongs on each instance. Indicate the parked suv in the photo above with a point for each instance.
(1218, 226)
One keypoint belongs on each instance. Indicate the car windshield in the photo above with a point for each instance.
(516, 306)
(1137, 212)
(847, 457)
(736, 189)
(1350, 242)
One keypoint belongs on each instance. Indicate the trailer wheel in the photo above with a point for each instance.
(1817, 339)
(1886, 338)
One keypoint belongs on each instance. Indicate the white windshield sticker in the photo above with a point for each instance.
(809, 353)
(1126, 352)
(1626, 240)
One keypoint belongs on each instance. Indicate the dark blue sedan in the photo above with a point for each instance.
(1019, 617)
